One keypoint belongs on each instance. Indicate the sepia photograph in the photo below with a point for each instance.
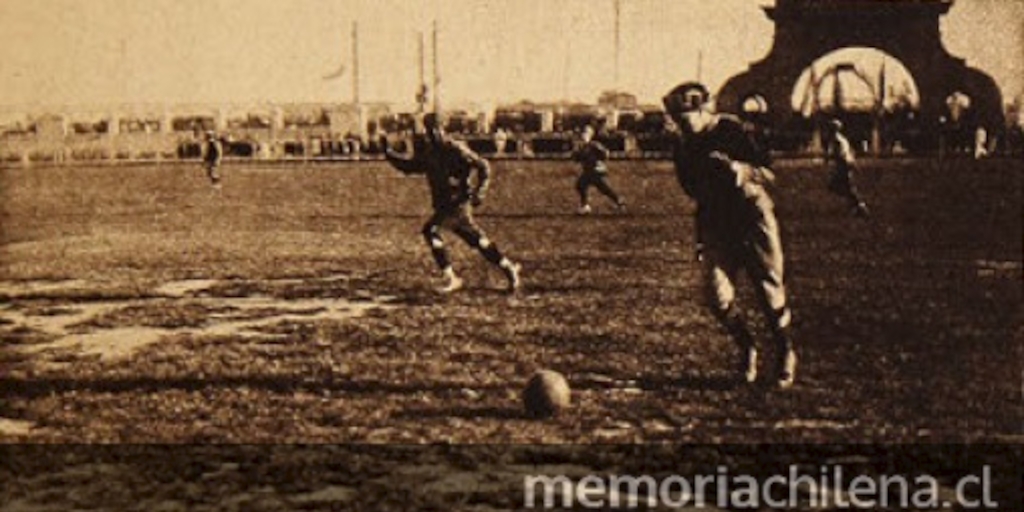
(483, 255)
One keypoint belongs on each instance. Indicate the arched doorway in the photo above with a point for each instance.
(907, 30)
(872, 92)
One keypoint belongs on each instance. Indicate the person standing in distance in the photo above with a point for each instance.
(841, 182)
(213, 154)
(449, 167)
(719, 164)
(592, 156)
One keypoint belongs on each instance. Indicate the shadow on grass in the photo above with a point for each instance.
(691, 381)
(466, 412)
(35, 387)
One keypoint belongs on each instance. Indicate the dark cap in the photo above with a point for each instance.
(686, 97)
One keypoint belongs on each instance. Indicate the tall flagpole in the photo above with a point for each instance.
(421, 92)
(567, 66)
(355, 63)
(618, 41)
(355, 79)
(437, 74)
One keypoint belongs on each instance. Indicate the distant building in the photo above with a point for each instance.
(618, 100)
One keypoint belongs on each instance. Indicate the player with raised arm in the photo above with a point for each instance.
(449, 167)
(720, 165)
(592, 156)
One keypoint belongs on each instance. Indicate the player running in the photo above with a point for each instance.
(840, 182)
(720, 166)
(449, 168)
(592, 156)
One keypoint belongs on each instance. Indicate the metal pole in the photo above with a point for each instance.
(421, 93)
(437, 74)
(879, 113)
(355, 81)
(355, 63)
(618, 41)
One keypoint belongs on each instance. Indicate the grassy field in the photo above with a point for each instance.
(296, 305)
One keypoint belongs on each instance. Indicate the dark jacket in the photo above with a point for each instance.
(449, 167)
(725, 204)
(592, 156)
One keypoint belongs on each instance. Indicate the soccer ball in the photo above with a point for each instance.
(546, 394)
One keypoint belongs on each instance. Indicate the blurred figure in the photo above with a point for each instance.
(980, 143)
(843, 162)
(719, 164)
(213, 154)
(449, 168)
(500, 141)
(592, 156)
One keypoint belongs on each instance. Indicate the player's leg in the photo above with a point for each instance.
(601, 182)
(466, 228)
(582, 189)
(765, 265)
(720, 269)
(432, 234)
(213, 173)
(857, 204)
(841, 183)
(835, 181)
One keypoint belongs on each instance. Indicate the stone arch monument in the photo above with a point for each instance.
(806, 30)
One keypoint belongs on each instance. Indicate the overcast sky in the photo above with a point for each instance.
(83, 52)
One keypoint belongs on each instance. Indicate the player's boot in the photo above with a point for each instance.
(584, 210)
(787, 369)
(452, 282)
(731, 319)
(621, 205)
(512, 274)
(861, 210)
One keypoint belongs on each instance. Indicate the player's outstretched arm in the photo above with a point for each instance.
(405, 165)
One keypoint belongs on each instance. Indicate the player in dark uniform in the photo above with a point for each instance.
(719, 165)
(449, 168)
(592, 156)
(841, 181)
(213, 154)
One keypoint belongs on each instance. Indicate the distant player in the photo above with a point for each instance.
(720, 166)
(213, 154)
(843, 162)
(449, 169)
(592, 156)
(980, 143)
